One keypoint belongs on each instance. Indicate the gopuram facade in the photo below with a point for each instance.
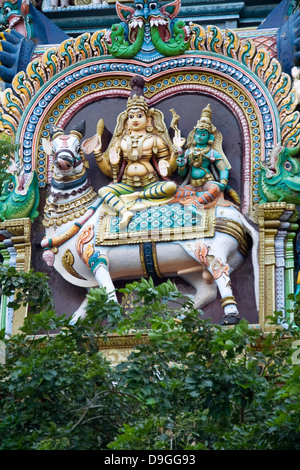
(157, 140)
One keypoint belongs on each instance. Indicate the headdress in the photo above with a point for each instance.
(137, 102)
(205, 120)
(137, 99)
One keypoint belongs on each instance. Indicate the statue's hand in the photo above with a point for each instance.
(163, 166)
(178, 141)
(114, 156)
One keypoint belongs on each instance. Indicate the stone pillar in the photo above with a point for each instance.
(275, 258)
(16, 251)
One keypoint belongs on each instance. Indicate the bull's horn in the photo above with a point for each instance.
(54, 131)
(79, 130)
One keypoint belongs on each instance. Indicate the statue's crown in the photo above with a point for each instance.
(205, 120)
(137, 102)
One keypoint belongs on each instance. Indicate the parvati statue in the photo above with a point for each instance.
(140, 157)
(203, 165)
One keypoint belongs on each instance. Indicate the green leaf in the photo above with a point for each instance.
(150, 401)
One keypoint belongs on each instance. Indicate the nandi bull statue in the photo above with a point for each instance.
(87, 246)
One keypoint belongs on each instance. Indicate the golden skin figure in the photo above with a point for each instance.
(139, 158)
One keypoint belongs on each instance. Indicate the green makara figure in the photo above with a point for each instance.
(280, 176)
(19, 196)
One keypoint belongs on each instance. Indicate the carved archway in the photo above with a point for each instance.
(236, 73)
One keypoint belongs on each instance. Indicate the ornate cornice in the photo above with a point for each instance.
(71, 52)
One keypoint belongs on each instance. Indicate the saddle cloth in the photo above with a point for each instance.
(166, 222)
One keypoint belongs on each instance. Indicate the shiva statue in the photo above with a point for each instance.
(140, 158)
(203, 165)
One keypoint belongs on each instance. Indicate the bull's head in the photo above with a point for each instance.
(65, 150)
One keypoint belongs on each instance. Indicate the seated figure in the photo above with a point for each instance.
(140, 157)
(203, 165)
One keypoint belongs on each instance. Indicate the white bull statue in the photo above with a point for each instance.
(81, 248)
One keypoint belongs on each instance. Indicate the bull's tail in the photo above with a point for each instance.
(255, 257)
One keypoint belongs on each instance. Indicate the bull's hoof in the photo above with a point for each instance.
(229, 320)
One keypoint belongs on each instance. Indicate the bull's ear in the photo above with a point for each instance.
(47, 146)
(89, 145)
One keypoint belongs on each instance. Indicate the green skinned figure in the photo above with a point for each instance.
(204, 159)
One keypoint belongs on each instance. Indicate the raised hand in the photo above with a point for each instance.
(163, 166)
(114, 156)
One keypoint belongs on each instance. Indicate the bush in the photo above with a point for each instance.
(192, 385)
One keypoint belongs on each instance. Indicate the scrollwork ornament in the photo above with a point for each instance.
(66, 52)
(37, 74)
(23, 88)
(98, 44)
(198, 37)
(281, 88)
(214, 39)
(13, 104)
(273, 74)
(50, 62)
(246, 53)
(231, 44)
(82, 46)
(261, 62)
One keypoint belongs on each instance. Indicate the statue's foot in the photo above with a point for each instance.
(230, 319)
(132, 196)
(125, 219)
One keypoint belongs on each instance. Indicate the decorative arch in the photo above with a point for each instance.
(237, 73)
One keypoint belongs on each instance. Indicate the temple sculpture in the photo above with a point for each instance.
(211, 204)
(204, 167)
(140, 158)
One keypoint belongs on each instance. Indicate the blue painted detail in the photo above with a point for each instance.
(97, 260)
(149, 261)
(288, 35)
(152, 219)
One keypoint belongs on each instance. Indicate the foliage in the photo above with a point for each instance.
(191, 385)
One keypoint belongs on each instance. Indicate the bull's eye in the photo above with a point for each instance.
(288, 166)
